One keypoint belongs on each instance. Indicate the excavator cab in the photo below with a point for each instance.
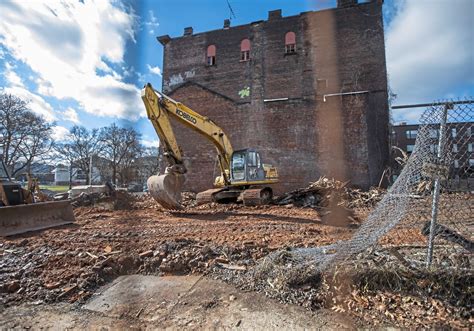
(11, 192)
(246, 166)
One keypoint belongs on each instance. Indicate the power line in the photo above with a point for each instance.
(232, 14)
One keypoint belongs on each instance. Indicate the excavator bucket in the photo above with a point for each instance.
(36, 216)
(166, 189)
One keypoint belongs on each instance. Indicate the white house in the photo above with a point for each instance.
(61, 175)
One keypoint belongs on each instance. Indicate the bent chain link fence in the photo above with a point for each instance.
(426, 219)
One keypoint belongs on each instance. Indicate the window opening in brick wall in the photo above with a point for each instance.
(245, 50)
(410, 148)
(290, 43)
(211, 55)
(411, 134)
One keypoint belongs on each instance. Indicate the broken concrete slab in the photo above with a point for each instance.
(128, 295)
(199, 302)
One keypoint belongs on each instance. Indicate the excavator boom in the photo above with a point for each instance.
(166, 189)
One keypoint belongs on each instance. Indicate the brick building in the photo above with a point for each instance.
(459, 139)
(308, 91)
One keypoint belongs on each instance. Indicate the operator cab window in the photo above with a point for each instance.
(253, 164)
(253, 159)
(238, 166)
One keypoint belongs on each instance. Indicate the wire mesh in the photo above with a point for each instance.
(397, 232)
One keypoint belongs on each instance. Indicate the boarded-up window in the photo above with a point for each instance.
(245, 50)
(211, 55)
(290, 42)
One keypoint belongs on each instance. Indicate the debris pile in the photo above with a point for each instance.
(78, 272)
(323, 192)
(188, 199)
(370, 292)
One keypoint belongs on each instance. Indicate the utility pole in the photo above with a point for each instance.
(90, 171)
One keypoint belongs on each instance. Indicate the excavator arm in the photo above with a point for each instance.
(166, 189)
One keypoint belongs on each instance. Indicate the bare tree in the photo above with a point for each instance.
(148, 164)
(121, 146)
(24, 136)
(80, 145)
(65, 152)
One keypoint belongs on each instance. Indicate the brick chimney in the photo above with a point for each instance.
(188, 31)
(226, 24)
(274, 14)
(346, 3)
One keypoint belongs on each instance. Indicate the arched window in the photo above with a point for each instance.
(290, 42)
(211, 55)
(245, 50)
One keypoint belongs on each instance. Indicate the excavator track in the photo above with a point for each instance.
(207, 196)
(257, 196)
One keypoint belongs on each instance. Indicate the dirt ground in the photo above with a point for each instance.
(185, 302)
(69, 264)
(59, 258)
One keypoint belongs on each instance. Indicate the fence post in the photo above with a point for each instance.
(435, 201)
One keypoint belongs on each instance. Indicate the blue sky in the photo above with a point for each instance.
(84, 62)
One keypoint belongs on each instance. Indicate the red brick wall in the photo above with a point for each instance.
(306, 136)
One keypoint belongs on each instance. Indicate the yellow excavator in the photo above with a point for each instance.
(243, 175)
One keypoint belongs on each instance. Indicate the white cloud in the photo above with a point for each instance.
(60, 133)
(35, 102)
(151, 143)
(430, 52)
(152, 24)
(70, 114)
(65, 43)
(154, 70)
(11, 76)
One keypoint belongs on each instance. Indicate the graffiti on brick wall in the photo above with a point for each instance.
(180, 78)
(245, 92)
(190, 73)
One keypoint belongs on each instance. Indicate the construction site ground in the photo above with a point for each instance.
(52, 275)
(190, 302)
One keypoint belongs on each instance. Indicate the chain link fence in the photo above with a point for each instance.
(423, 226)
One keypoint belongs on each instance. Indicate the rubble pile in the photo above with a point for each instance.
(188, 199)
(145, 201)
(43, 274)
(325, 191)
(88, 199)
(374, 294)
